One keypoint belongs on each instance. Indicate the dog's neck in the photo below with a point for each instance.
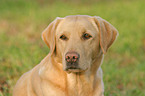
(79, 84)
(82, 84)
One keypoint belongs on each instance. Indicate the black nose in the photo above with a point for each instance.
(71, 57)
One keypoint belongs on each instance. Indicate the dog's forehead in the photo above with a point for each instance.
(72, 22)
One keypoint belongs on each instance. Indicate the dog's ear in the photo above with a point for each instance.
(108, 33)
(48, 35)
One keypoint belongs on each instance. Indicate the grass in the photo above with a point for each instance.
(21, 46)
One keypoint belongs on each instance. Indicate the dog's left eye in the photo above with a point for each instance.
(86, 36)
(63, 37)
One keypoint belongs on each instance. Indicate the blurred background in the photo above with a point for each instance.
(21, 46)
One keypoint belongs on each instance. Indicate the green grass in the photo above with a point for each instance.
(21, 46)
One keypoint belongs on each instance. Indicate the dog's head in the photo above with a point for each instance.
(78, 40)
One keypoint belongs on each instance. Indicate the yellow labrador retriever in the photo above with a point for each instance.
(73, 66)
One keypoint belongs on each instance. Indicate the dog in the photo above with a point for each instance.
(73, 66)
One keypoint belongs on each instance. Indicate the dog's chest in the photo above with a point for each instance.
(78, 86)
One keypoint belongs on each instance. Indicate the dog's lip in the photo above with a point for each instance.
(75, 70)
(72, 69)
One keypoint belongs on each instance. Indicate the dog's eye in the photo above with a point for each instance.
(86, 36)
(63, 37)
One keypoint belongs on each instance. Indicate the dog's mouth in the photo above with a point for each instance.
(74, 70)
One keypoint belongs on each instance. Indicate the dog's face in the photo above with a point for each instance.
(77, 40)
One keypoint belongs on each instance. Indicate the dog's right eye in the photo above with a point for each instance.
(63, 37)
(86, 36)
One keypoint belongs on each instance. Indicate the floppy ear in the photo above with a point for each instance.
(108, 33)
(48, 35)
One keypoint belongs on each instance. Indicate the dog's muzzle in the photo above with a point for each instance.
(72, 59)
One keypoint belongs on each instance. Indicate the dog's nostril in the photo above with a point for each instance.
(74, 57)
(67, 57)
